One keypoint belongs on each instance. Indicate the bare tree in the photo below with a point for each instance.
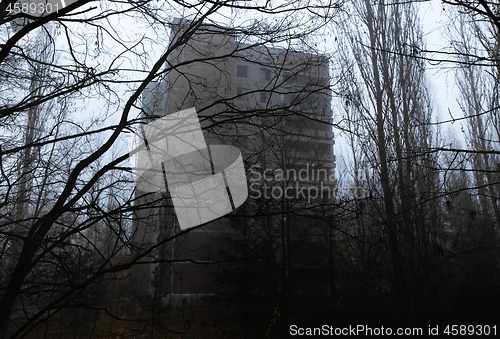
(478, 85)
(83, 190)
(391, 102)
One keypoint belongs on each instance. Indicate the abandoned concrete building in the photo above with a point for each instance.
(248, 97)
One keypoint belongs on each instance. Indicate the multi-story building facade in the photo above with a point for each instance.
(271, 103)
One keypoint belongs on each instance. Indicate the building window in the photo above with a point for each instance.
(266, 121)
(265, 74)
(241, 91)
(286, 99)
(265, 96)
(320, 103)
(290, 98)
(242, 71)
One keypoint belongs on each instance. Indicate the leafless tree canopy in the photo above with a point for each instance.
(83, 251)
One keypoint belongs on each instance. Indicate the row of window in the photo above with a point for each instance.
(242, 72)
(300, 79)
(264, 96)
(312, 101)
(265, 74)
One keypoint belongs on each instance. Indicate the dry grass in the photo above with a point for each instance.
(187, 323)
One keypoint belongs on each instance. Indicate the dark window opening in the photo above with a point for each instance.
(242, 71)
(265, 96)
(265, 74)
(241, 91)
